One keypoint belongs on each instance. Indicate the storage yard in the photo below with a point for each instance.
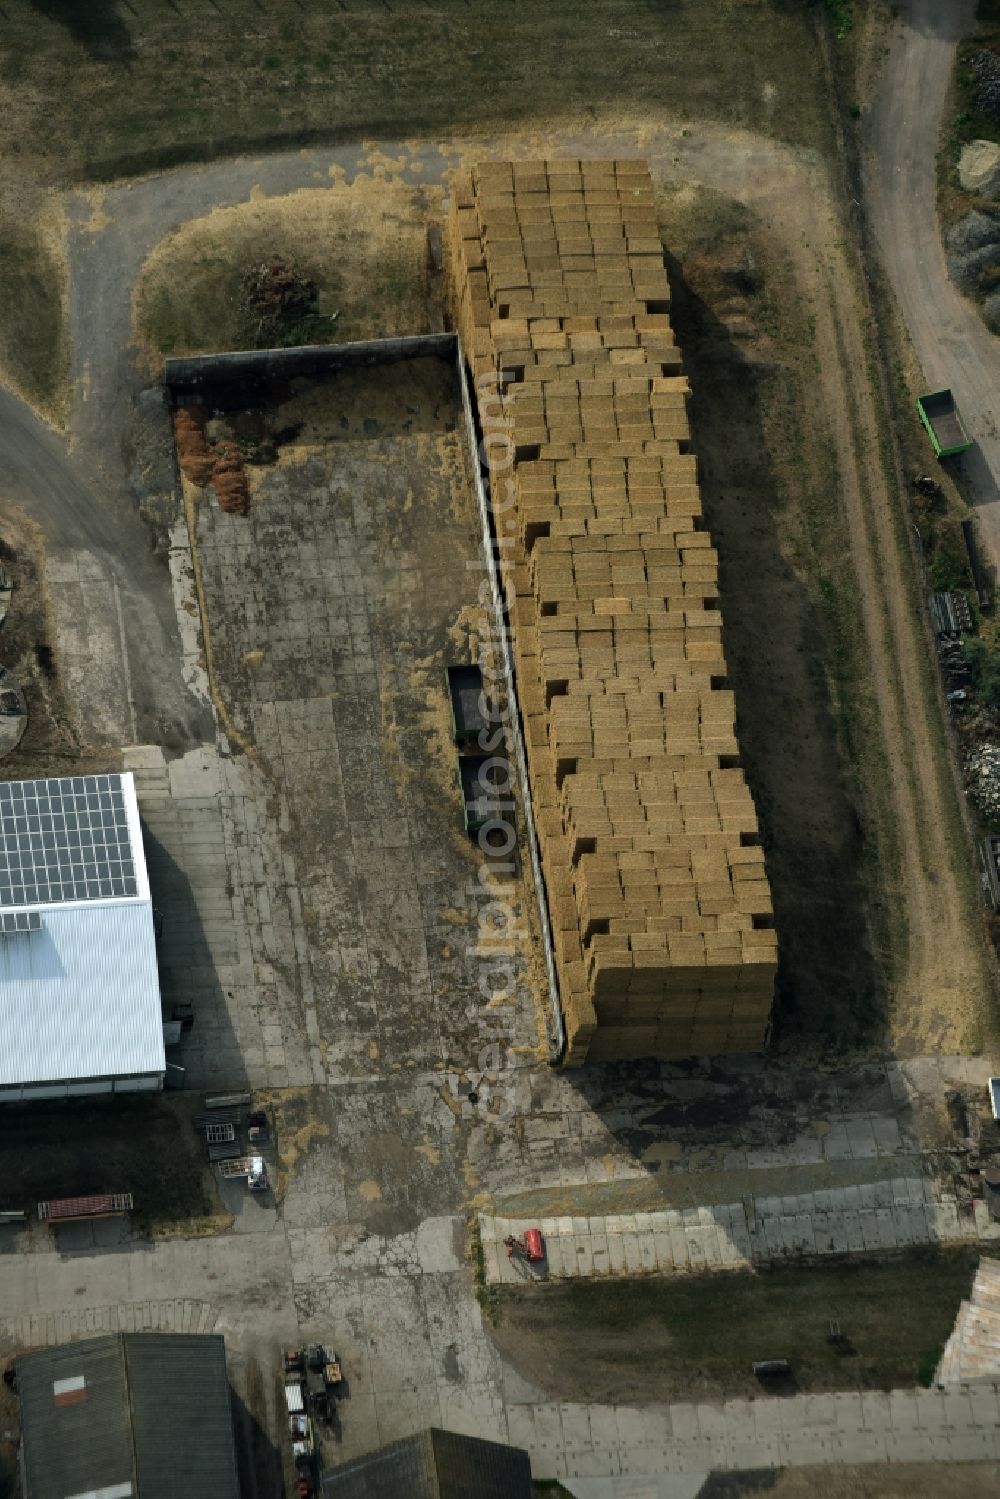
(333, 608)
(662, 917)
(523, 750)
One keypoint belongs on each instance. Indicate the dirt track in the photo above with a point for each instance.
(943, 981)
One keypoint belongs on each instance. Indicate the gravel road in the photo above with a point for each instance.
(85, 515)
(953, 345)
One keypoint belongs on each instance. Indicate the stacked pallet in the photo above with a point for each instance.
(660, 906)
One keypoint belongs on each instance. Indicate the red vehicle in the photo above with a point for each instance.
(530, 1248)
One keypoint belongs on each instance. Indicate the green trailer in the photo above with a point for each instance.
(941, 416)
(465, 694)
(477, 775)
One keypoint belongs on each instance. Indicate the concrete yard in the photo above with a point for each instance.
(332, 610)
(318, 909)
(321, 913)
(246, 592)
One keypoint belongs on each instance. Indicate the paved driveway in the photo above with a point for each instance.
(415, 1351)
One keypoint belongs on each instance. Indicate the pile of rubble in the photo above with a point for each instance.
(982, 769)
(986, 66)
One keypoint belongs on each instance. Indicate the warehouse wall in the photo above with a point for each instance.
(81, 1088)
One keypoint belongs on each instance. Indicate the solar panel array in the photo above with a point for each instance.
(12, 922)
(64, 839)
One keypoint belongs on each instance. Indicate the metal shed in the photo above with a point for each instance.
(79, 992)
(130, 1414)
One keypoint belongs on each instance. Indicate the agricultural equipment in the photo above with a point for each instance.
(940, 415)
(300, 1430)
(478, 777)
(465, 690)
(530, 1248)
(315, 1373)
(72, 1209)
(250, 1166)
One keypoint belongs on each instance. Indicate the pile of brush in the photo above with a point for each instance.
(202, 462)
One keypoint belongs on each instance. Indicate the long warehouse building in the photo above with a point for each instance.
(660, 906)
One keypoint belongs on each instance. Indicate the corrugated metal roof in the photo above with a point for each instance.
(435, 1464)
(156, 1415)
(402, 1470)
(468, 1468)
(74, 1446)
(181, 1416)
(81, 998)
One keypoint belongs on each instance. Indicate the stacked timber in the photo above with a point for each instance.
(660, 905)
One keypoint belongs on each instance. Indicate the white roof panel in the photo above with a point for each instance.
(80, 998)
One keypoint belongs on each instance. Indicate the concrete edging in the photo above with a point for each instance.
(249, 367)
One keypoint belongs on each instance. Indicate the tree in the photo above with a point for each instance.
(984, 666)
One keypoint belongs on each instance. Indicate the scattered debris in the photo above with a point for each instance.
(955, 666)
(194, 454)
(986, 66)
(203, 462)
(275, 294)
(982, 768)
(230, 480)
(951, 615)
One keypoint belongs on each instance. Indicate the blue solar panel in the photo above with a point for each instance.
(12, 922)
(64, 839)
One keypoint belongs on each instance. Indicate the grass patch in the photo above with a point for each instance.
(363, 245)
(146, 1146)
(487, 1294)
(841, 13)
(33, 348)
(100, 91)
(699, 1334)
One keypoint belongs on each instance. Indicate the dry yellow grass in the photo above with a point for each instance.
(34, 346)
(364, 243)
